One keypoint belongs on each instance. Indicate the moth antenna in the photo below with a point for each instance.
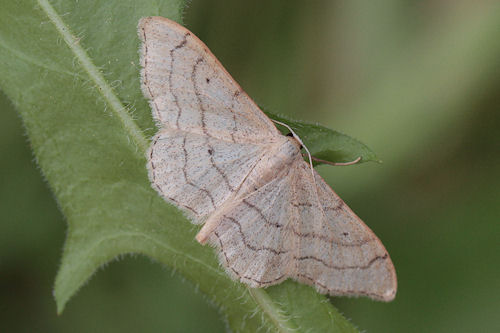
(337, 163)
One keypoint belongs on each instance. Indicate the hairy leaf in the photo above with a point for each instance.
(71, 69)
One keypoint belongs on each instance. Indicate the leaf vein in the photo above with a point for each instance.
(96, 76)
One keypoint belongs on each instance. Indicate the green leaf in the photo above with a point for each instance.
(326, 144)
(71, 70)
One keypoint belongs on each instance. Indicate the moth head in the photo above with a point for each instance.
(294, 139)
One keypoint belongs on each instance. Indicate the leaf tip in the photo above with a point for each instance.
(60, 302)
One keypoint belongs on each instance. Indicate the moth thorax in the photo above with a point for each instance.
(282, 156)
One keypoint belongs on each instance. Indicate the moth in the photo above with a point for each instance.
(219, 158)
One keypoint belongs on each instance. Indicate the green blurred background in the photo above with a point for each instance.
(417, 81)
